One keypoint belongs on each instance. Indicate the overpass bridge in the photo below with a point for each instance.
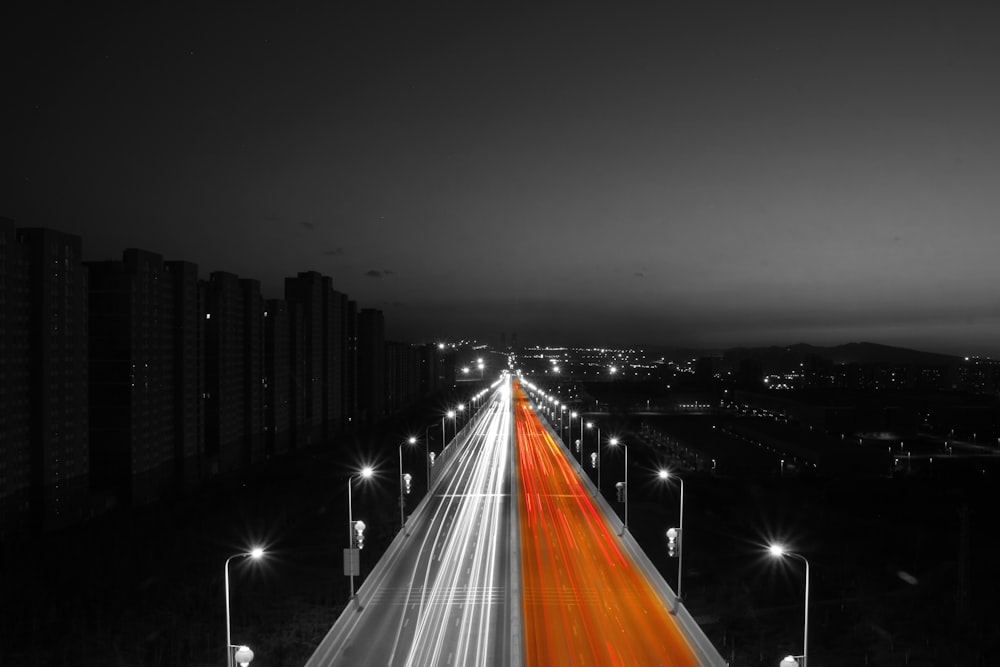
(513, 558)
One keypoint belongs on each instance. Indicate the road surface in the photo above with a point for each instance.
(443, 598)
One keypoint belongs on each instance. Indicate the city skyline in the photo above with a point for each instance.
(701, 176)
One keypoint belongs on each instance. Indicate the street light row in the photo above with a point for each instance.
(552, 406)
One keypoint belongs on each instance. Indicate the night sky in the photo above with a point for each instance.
(695, 173)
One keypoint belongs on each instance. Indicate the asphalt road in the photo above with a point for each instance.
(442, 594)
(585, 600)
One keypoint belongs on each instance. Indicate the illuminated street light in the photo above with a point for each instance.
(427, 453)
(614, 442)
(591, 425)
(256, 553)
(402, 495)
(579, 444)
(779, 551)
(243, 655)
(665, 475)
(365, 473)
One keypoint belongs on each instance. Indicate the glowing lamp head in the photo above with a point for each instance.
(256, 553)
(451, 414)
(776, 550)
(573, 414)
(412, 440)
(367, 472)
(613, 442)
(664, 474)
(461, 407)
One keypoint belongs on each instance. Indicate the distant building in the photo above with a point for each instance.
(277, 378)
(351, 366)
(980, 376)
(189, 371)
(133, 420)
(403, 375)
(15, 385)
(336, 308)
(57, 361)
(371, 365)
(253, 368)
(315, 366)
(233, 372)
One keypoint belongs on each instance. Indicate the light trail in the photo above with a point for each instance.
(473, 535)
(585, 602)
(442, 596)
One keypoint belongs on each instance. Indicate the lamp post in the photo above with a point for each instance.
(255, 554)
(365, 473)
(614, 442)
(427, 454)
(461, 414)
(444, 434)
(402, 503)
(665, 475)
(572, 416)
(779, 551)
(590, 425)
(583, 443)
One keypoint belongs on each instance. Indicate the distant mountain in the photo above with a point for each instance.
(781, 358)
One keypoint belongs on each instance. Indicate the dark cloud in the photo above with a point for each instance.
(379, 273)
(308, 225)
(334, 252)
(639, 274)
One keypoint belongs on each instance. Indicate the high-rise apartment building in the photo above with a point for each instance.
(253, 369)
(225, 373)
(304, 294)
(189, 371)
(277, 378)
(15, 385)
(371, 365)
(57, 363)
(132, 384)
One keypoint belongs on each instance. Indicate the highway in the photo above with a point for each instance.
(440, 596)
(585, 601)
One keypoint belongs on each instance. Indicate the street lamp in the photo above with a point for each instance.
(243, 655)
(402, 503)
(614, 442)
(365, 473)
(572, 416)
(779, 551)
(444, 434)
(256, 553)
(591, 425)
(664, 474)
(427, 452)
